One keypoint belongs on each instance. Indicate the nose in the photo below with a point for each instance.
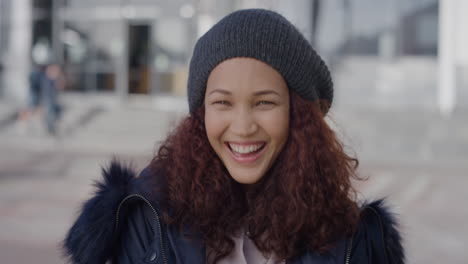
(243, 123)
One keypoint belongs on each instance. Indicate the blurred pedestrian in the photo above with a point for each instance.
(253, 175)
(45, 81)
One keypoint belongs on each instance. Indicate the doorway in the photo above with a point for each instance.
(139, 54)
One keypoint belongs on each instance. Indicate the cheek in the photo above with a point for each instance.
(277, 126)
(214, 126)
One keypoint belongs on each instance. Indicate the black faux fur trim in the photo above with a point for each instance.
(393, 240)
(89, 240)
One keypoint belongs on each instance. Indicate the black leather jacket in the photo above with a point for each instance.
(122, 224)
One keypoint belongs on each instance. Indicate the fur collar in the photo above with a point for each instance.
(90, 238)
(378, 211)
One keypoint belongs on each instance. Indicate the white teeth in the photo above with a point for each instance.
(245, 149)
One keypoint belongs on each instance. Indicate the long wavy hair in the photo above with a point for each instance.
(304, 202)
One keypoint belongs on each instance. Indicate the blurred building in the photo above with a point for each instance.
(394, 53)
(380, 51)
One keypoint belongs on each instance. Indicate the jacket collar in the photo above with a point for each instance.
(91, 238)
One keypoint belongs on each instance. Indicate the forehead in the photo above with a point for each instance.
(237, 74)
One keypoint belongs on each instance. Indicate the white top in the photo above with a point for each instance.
(246, 252)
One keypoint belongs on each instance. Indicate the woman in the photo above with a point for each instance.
(252, 175)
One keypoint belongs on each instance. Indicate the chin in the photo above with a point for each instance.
(243, 179)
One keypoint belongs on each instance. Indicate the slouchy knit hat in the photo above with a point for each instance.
(266, 36)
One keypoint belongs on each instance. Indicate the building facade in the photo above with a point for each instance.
(144, 46)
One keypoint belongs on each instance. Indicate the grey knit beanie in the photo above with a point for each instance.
(268, 37)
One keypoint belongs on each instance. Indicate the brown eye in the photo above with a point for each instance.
(265, 103)
(222, 102)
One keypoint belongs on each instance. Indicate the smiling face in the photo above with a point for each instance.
(246, 116)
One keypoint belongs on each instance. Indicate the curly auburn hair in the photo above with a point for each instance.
(304, 202)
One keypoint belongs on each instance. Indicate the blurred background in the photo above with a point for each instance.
(82, 81)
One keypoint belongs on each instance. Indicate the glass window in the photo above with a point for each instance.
(89, 54)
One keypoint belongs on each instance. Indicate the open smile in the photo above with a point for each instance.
(246, 152)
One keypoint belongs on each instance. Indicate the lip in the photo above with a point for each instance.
(246, 143)
(242, 158)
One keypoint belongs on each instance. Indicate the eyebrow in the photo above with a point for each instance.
(220, 91)
(263, 92)
(258, 93)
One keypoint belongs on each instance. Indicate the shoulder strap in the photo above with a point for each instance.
(139, 232)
